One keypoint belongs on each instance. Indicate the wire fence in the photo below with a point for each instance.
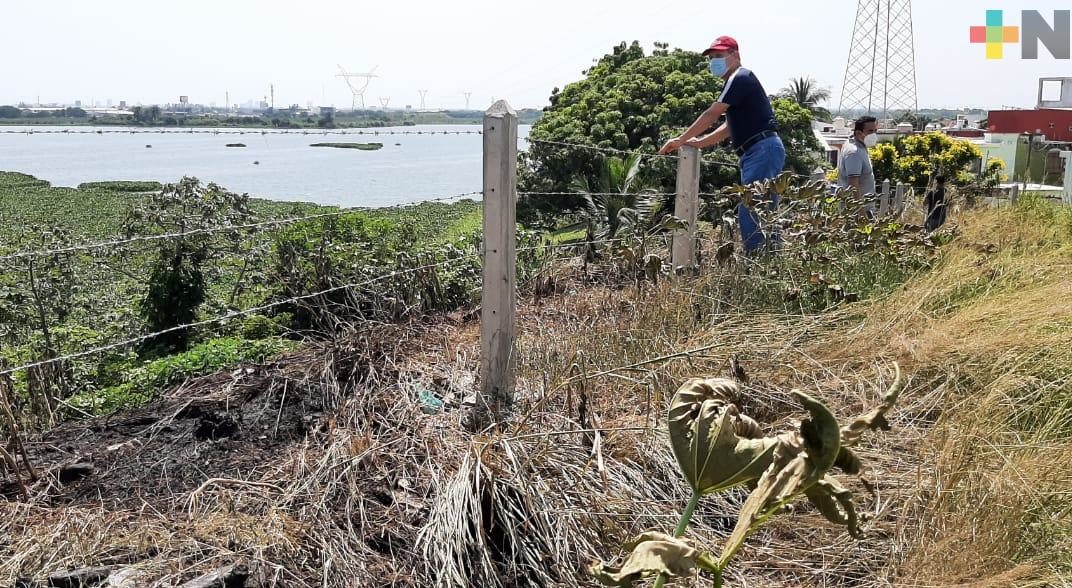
(251, 227)
(230, 316)
(287, 301)
(213, 131)
(627, 152)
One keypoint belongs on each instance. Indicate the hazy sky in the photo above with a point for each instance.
(150, 51)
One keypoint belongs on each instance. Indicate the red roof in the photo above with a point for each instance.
(1055, 124)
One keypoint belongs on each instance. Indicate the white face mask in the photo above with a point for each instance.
(871, 140)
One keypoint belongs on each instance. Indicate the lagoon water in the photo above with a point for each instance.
(419, 167)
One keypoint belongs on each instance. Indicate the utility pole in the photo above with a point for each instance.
(357, 91)
(880, 75)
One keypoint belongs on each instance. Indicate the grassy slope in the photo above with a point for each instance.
(972, 483)
(989, 339)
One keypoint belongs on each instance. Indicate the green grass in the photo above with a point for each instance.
(141, 382)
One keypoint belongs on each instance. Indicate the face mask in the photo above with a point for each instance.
(871, 141)
(718, 66)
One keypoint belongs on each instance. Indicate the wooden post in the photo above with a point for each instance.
(499, 294)
(884, 199)
(898, 201)
(686, 207)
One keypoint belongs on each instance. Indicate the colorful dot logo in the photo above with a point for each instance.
(995, 34)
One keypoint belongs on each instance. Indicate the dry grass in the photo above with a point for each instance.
(972, 484)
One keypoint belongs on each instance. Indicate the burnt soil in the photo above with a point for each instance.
(235, 424)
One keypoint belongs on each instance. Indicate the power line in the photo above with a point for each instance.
(596, 194)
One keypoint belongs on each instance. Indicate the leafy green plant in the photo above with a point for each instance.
(718, 448)
(177, 283)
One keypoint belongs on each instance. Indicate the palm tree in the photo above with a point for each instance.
(807, 93)
(617, 199)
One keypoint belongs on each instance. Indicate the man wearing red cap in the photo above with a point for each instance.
(749, 123)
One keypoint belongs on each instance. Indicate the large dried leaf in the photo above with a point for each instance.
(801, 459)
(652, 554)
(716, 447)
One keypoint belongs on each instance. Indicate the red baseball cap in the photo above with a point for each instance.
(722, 44)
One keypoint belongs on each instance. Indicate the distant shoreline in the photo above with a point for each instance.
(525, 116)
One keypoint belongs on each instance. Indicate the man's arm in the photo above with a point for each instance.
(719, 135)
(704, 122)
(854, 183)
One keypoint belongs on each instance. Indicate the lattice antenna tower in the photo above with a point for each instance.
(880, 76)
(357, 88)
(423, 94)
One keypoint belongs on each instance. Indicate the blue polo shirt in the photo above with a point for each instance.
(750, 111)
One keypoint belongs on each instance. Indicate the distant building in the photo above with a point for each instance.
(1032, 143)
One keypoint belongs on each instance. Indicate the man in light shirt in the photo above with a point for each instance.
(854, 167)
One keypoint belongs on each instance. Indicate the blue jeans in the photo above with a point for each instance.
(763, 161)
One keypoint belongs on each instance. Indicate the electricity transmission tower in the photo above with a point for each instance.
(880, 76)
(384, 102)
(358, 92)
(423, 93)
(467, 95)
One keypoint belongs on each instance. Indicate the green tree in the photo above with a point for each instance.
(178, 284)
(806, 92)
(916, 159)
(10, 112)
(628, 101)
(795, 129)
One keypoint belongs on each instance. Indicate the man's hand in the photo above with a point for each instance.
(671, 146)
(697, 142)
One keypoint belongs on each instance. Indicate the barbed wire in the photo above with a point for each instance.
(570, 244)
(230, 132)
(595, 194)
(626, 152)
(229, 316)
(253, 227)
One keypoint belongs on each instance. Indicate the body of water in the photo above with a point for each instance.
(409, 168)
